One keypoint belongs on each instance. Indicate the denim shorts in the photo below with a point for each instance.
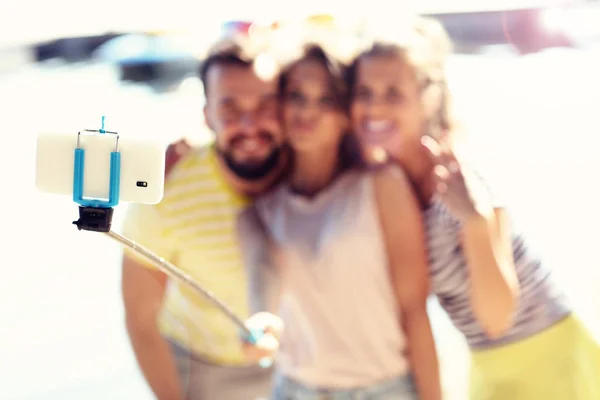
(401, 388)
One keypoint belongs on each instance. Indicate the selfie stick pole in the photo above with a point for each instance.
(96, 216)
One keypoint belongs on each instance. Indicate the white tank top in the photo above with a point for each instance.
(342, 325)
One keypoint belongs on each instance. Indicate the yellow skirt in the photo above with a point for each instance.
(560, 363)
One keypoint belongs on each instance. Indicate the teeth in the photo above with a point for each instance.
(379, 125)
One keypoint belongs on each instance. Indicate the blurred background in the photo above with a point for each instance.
(524, 75)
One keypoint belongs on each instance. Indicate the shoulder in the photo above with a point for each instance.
(189, 170)
(196, 160)
(390, 181)
(389, 173)
(192, 170)
(395, 197)
(375, 177)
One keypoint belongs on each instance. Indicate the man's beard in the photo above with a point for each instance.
(253, 171)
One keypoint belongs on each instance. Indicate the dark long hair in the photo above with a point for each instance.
(349, 151)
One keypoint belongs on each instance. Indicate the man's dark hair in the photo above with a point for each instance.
(225, 52)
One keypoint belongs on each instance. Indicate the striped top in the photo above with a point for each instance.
(333, 291)
(540, 304)
(194, 228)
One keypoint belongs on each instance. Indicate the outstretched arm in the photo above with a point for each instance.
(143, 290)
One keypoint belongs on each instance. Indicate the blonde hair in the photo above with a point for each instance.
(425, 46)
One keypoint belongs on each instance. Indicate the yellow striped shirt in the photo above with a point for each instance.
(194, 228)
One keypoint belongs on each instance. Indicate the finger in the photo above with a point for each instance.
(439, 152)
(265, 347)
(433, 147)
(267, 323)
(441, 172)
(274, 329)
(441, 176)
(254, 354)
(441, 188)
(448, 156)
(447, 147)
(268, 343)
(453, 167)
(449, 161)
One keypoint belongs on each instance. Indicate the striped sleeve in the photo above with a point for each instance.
(144, 225)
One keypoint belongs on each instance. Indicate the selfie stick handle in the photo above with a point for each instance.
(96, 215)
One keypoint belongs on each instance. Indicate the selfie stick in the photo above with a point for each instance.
(96, 215)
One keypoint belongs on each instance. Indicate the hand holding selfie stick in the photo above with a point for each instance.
(96, 215)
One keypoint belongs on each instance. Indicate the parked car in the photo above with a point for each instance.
(161, 59)
(71, 49)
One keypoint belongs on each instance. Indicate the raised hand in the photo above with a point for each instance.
(455, 185)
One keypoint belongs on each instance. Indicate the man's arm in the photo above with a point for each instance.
(143, 290)
(404, 234)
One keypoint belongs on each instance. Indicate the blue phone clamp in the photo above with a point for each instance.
(95, 214)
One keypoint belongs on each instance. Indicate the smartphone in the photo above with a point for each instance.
(142, 165)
